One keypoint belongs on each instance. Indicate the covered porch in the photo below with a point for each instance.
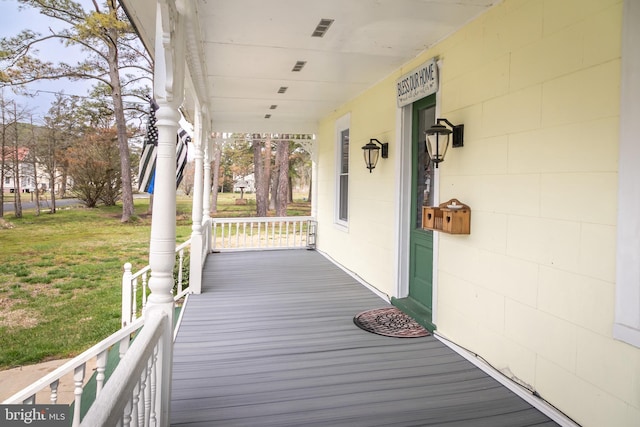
(270, 341)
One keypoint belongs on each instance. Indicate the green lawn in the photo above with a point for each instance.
(60, 274)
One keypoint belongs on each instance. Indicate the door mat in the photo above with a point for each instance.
(389, 322)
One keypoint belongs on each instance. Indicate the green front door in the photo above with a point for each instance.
(419, 303)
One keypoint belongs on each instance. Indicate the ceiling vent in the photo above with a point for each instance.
(273, 107)
(322, 28)
(267, 116)
(299, 65)
(282, 89)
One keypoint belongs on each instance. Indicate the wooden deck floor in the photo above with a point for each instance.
(271, 342)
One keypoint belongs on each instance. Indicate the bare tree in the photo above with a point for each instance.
(282, 159)
(60, 132)
(4, 152)
(17, 153)
(32, 145)
(113, 51)
(261, 177)
(215, 173)
(188, 178)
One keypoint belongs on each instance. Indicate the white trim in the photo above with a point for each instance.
(627, 309)
(359, 279)
(436, 234)
(517, 389)
(342, 124)
(403, 199)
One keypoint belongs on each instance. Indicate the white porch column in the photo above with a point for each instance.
(196, 261)
(206, 197)
(168, 91)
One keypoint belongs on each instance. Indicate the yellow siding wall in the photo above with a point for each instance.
(531, 289)
(367, 246)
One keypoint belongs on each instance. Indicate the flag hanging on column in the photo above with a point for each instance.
(147, 169)
(181, 154)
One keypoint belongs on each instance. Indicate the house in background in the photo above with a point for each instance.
(25, 172)
(546, 284)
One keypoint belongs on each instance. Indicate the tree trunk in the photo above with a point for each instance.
(34, 164)
(215, 173)
(258, 172)
(290, 180)
(52, 179)
(17, 200)
(64, 176)
(273, 187)
(282, 158)
(121, 124)
(3, 144)
(310, 187)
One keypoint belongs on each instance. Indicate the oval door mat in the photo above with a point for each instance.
(389, 322)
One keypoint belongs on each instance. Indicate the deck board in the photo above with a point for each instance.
(271, 342)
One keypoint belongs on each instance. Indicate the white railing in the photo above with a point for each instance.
(48, 386)
(241, 234)
(132, 395)
(133, 304)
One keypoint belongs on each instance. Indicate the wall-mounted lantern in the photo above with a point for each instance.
(438, 137)
(372, 152)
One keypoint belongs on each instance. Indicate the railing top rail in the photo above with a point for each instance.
(140, 272)
(183, 245)
(124, 378)
(264, 219)
(68, 367)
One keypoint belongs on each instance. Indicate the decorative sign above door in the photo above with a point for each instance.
(420, 82)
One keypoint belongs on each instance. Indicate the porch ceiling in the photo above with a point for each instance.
(241, 52)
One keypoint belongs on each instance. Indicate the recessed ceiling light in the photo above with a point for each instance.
(282, 89)
(273, 107)
(298, 66)
(267, 116)
(322, 27)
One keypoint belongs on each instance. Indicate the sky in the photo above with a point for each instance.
(12, 22)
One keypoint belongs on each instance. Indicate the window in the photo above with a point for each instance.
(342, 169)
(343, 209)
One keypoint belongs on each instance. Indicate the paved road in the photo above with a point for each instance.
(44, 204)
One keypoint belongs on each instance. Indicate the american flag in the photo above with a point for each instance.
(147, 169)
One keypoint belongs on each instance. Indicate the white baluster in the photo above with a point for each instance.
(123, 347)
(126, 415)
(78, 380)
(126, 295)
(134, 404)
(154, 385)
(180, 270)
(145, 275)
(259, 234)
(101, 365)
(134, 299)
(54, 391)
(273, 234)
(244, 233)
(142, 402)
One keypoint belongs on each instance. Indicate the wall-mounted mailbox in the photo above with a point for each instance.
(450, 217)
